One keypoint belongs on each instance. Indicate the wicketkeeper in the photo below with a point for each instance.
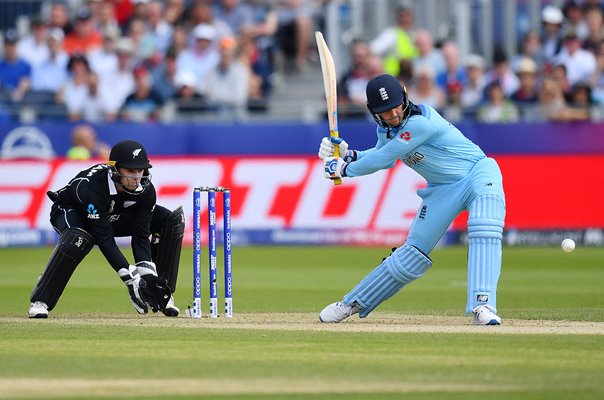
(101, 203)
(460, 177)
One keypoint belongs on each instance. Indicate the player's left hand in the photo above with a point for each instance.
(156, 293)
(334, 167)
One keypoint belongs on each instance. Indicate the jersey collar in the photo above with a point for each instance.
(112, 188)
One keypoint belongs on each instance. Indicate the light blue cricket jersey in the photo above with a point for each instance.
(428, 143)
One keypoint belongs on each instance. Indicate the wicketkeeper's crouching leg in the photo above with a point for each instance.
(166, 246)
(74, 244)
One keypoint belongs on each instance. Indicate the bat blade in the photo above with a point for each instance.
(331, 96)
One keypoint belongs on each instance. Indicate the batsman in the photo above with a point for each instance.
(103, 202)
(459, 177)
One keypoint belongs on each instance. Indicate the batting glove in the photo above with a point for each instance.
(327, 149)
(334, 167)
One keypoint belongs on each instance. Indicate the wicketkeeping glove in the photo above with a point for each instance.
(334, 167)
(327, 149)
(145, 288)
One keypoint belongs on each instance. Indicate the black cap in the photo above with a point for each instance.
(129, 154)
(11, 36)
(384, 93)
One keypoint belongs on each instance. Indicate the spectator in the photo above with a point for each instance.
(454, 72)
(528, 93)
(551, 22)
(159, 29)
(59, 17)
(51, 75)
(559, 74)
(234, 13)
(15, 73)
(453, 110)
(226, 86)
(119, 82)
(497, 108)
(144, 45)
(202, 13)
(396, 43)
(573, 11)
(248, 55)
(104, 60)
(204, 55)
(85, 145)
(595, 28)
(597, 79)
(580, 102)
(188, 100)
(502, 73)
(351, 87)
(531, 48)
(163, 76)
(425, 90)
(294, 31)
(580, 64)
(427, 54)
(32, 48)
(84, 38)
(98, 103)
(175, 12)
(144, 103)
(551, 101)
(472, 92)
(75, 90)
(108, 25)
(179, 39)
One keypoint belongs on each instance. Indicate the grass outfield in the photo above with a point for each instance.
(418, 345)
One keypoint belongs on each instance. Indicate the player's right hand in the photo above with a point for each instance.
(136, 287)
(327, 147)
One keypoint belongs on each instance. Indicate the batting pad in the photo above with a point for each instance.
(485, 231)
(403, 266)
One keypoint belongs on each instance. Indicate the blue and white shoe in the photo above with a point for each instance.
(484, 314)
(338, 312)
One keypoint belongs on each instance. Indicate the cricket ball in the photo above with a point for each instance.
(568, 245)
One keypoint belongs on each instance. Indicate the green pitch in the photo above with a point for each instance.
(418, 346)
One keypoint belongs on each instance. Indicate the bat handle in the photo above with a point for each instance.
(336, 153)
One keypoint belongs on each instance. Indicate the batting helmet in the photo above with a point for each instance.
(385, 92)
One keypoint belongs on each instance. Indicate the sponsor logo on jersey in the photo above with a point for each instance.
(92, 212)
(111, 206)
(422, 212)
(404, 137)
(413, 159)
(113, 218)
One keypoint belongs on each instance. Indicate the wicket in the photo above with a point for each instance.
(228, 262)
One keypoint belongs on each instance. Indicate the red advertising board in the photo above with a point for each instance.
(289, 196)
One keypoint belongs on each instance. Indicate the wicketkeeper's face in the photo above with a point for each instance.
(130, 178)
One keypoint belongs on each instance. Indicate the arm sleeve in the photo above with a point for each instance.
(94, 207)
(141, 247)
(418, 129)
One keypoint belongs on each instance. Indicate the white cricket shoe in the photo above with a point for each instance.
(38, 309)
(485, 315)
(171, 310)
(338, 312)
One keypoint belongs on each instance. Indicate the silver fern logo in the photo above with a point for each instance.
(135, 153)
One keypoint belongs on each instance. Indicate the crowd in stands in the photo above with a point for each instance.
(141, 60)
(557, 74)
(110, 60)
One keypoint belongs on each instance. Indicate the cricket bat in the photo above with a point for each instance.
(331, 96)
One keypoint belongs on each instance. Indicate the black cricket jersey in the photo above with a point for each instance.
(106, 213)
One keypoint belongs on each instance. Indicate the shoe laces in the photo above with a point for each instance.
(353, 309)
(40, 304)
